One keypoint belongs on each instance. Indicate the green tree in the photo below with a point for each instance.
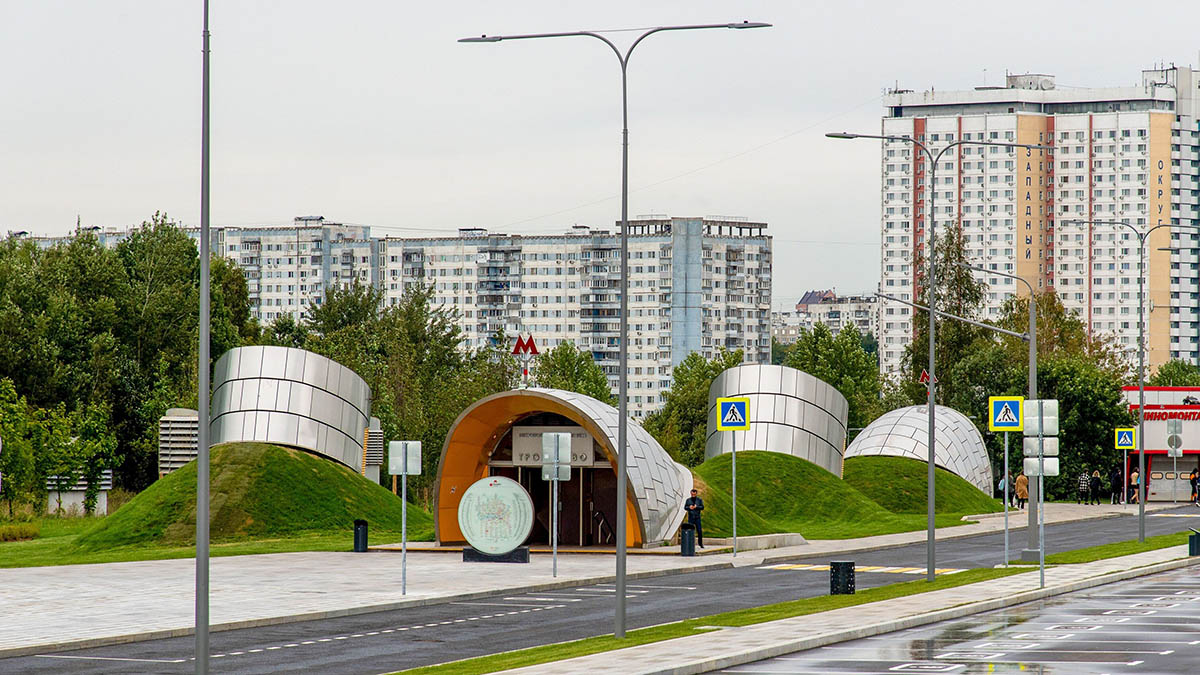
(16, 457)
(1175, 373)
(842, 362)
(681, 424)
(569, 368)
(779, 352)
(285, 331)
(354, 304)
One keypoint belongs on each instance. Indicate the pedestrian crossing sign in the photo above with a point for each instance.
(1126, 438)
(733, 414)
(1005, 413)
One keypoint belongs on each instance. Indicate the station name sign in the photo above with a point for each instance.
(1162, 415)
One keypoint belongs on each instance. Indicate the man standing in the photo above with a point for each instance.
(1022, 486)
(1084, 483)
(1194, 479)
(1116, 485)
(693, 506)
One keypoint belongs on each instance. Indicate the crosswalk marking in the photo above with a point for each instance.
(809, 567)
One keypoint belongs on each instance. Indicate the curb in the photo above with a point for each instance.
(144, 636)
(824, 639)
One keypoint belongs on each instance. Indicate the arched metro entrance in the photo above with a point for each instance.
(497, 436)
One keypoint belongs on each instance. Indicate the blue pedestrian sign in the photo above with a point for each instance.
(1126, 438)
(1005, 414)
(733, 414)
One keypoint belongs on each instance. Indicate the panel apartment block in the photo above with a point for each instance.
(1127, 154)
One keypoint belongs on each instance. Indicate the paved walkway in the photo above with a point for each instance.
(713, 650)
(48, 608)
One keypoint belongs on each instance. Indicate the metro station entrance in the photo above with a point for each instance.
(586, 503)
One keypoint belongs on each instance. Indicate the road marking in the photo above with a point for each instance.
(672, 588)
(107, 658)
(874, 569)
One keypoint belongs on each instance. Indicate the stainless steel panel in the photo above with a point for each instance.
(274, 362)
(267, 392)
(770, 379)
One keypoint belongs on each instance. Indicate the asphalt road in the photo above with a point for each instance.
(389, 641)
(1147, 626)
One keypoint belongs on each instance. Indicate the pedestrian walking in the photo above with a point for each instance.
(1116, 486)
(1134, 477)
(1194, 479)
(693, 506)
(1002, 489)
(1085, 487)
(1022, 486)
(1094, 485)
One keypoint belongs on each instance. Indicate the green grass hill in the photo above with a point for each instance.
(898, 484)
(782, 493)
(259, 491)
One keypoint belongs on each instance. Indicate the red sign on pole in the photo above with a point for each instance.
(925, 377)
(524, 346)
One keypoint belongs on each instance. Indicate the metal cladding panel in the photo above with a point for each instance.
(283, 395)
(782, 396)
(904, 433)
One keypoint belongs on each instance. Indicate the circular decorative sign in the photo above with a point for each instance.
(495, 515)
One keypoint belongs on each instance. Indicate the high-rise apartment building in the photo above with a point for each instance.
(695, 284)
(1128, 154)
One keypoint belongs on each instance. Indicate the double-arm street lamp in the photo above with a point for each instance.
(623, 405)
(1142, 236)
(934, 158)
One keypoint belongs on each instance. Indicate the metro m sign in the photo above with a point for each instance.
(524, 346)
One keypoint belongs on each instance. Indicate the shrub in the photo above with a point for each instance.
(18, 531)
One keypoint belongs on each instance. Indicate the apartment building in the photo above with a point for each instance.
(695, 284)
(1126, 154)
(829, 308)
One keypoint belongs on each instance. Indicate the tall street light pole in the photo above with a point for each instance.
(1141, 441)
(934, 158)
(202, 439)
(623, 399)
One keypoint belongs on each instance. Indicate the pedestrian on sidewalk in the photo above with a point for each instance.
(1116, 485)
(1194, 479)
(1094, 485)
(1022, 484)
(1085, 488)
(1134, 477)
(1002, 489)
(693, 506)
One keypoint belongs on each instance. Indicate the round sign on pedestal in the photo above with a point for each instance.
(495, 515)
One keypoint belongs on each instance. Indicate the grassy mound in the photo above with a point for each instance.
(782, 493)
(898, 484)
(258, 491)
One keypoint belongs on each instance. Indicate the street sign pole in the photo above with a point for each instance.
(554, 514)
(734, 471)
(1041, 495)
(1007, 480)
(404, 526)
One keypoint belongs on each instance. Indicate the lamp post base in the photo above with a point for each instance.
(1030, 554)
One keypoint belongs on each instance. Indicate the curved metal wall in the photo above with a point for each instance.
(291, 397)
(904, 432)
(790, 412)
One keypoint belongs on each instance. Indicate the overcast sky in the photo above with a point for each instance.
(370, 112)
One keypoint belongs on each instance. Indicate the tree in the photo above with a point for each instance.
(569, 368)
(779, 352)
(1060, 332)
(841, 362)
(681, 424)
(353, 304)
(1175, 373)
(16, 456)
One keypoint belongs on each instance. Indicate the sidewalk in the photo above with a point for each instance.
(729, 647)
(57, 608)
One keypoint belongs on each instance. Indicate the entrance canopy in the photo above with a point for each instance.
(656, 486)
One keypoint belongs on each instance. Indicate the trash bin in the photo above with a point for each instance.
(360, 536)
(1194, 542)
(841, 577)
(687, 540)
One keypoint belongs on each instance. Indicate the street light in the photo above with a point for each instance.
(931, 401)
(1141, 441)
(622, 387)
(202, 400)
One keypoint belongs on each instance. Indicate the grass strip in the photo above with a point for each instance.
(1117, 549)
(742, 617)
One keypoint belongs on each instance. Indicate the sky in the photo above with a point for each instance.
(370, 112)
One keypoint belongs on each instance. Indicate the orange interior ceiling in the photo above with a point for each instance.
(465, 455)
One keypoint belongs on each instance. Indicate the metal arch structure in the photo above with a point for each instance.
(656, 485)
(790, 412)
(901, 433)
(291, 397)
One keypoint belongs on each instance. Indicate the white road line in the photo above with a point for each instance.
(504, 604)
(107, 658)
